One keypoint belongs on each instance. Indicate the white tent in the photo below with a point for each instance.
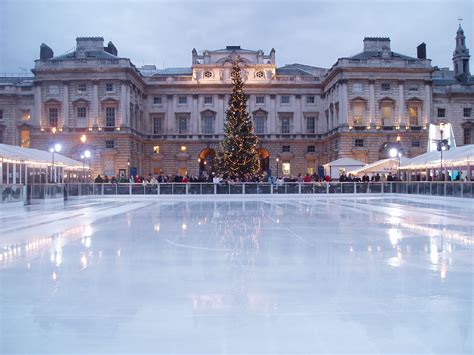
(334, 167)
(458, 156)
(383, 166)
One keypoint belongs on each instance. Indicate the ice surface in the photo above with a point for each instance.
(304, 275)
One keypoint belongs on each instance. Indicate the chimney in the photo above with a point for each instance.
(111, 49)
(376, 44)
(421, 51)
(46, 52)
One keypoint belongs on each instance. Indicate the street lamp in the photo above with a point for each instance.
(86, 155)
(83, 138)
(277, 160)
(396, 153)
(442, 145)
(54, 149)
(128, 165)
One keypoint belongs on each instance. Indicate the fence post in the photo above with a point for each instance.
(158, 189)
(243, 188)
(130, 188)
(271, 189)
(187, 186)
(381, 187)
(444, 183)
(215, 189)
(327, 188)
(299, 188)
(355, 187)
(462, 189)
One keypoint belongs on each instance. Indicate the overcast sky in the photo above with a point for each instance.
(164, 32)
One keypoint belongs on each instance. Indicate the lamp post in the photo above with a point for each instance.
(277, 160)
(442, 144)
(128, 168)
(86, 155)
(396, 153)
(54, 149)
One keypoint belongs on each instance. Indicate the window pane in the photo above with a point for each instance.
(53, 117)
(110, 116)
(413, 113)
(310, 126)
(208, 124)
(260, 124)
(285, 125)
(156, 125)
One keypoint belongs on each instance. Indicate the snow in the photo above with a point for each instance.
(292, 274)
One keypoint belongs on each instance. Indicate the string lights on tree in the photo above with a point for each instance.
(239, 149)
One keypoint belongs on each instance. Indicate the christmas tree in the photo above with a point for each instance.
(239, 156)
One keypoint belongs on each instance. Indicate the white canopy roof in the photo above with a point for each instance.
(380, 166)
(11, 153)
(345, 162)
(458, 156)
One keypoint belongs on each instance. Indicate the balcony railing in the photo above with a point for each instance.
(37, 192)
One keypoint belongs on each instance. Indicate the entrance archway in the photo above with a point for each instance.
(206, 161)
(264, 160)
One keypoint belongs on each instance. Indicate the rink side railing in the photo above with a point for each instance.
(35, 192)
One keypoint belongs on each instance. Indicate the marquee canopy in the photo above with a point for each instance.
(380, 166)
(19, 155)
(455, 157)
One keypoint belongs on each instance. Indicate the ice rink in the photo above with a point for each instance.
(280, 275)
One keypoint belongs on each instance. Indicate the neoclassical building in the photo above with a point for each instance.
(148, 120)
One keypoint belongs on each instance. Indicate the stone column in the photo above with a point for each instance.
(65, 122)
(170, 113)
(372, 117)
(427, 104)
(343, 110)
(401, 103)
(220, 115)
(124, 105)
(95, 104)
(38, 104)
(272, 117)
(297, 119)
(195, 117)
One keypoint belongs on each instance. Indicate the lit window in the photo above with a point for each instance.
(260, 100)
(182, 100)
(53, 117)
(358, 113)
(310, 124)
(110, 116)
(183, 148)
(25, 138)
(285, 100)
(156, 149)
(109, 87)
(285, 125)
(207, 100)
(441, 112)
(387, 115)
(156, 100)
(413, 113)
(310, 100)
(25, 115)
(285, 167)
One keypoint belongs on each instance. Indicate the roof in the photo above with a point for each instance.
(35, 156)
(345, 162)
(89, 54)
(378, 54)
(457, 156)
(380, 166)
(300, 69)
(16, 80)
(149, 71)
(233, 48)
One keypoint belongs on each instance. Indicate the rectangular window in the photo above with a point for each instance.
(311, 149)
(357, 87)
(467, 112)
(182, 124)
(260, 124)
(310, 124)
(182, 100)
(109, 144)
(53, 89)
(260, 100)
(359, 142)
(109, 87)
(285, 148)
(1, 114)
(387, 115)
(207, 100)
(53, 117)
(415, 144)
(157, 123)
(284, 100)
(208, 125)
(25, 115)
(358, 112)
(156, 149)
(468, 138)
(81, 88)
(385, 86)
(310, 100)
(285, 125)
(156, 100)
(110, 116)
(441, 112)
(81, 112)
(286, 169)
(25, 138)
(413, 114)
(413, 88)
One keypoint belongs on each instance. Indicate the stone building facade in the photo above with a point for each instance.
(148, 120)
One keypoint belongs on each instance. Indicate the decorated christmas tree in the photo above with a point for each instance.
(239, 156)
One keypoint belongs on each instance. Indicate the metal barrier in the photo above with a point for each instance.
(35, 192)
